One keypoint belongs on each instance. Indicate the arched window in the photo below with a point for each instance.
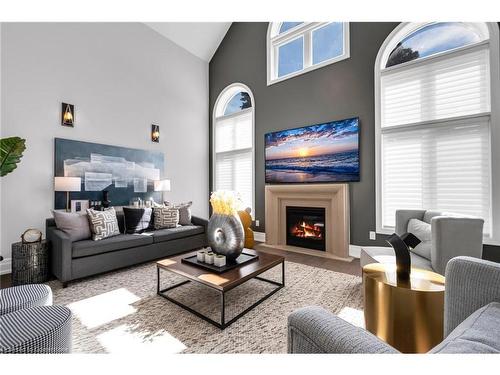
(436, 116)
(294, 48)
(233, 143)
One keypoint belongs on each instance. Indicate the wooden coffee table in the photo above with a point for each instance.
(221, 282)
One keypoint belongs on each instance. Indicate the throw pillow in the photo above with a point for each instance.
(184, 211)
(137, 220)
(422, 230)
(75, 225)
(165, 217)
(103, 224)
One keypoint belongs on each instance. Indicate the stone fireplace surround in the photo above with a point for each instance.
(333, 197)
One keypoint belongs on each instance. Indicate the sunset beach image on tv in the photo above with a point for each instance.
(326, 152)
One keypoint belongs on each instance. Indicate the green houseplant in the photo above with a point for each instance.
(11, 152)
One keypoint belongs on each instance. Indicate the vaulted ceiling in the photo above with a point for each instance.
(200, 38)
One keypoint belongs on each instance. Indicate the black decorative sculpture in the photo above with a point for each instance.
(105, 200)
(401, 246)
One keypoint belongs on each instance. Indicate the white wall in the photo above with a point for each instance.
(121, 77)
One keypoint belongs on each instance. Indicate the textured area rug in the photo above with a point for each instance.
(120, 311)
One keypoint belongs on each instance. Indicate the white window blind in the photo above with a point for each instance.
(440, 88)
(435, 135)
(444, 166)
(234, 155)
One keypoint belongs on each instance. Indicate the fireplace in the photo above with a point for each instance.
(305, 227)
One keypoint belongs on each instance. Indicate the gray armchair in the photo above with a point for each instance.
(452, 235)
(471, 318)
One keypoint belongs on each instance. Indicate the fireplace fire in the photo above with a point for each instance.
(306, 227)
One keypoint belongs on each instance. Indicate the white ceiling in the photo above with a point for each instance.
(200, 38)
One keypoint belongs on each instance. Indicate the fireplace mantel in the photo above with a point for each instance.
(333, 197)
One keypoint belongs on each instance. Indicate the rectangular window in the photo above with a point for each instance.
(442, 166)
(435, 136)
(328, 42)
(234, 155)
(438, 89)
(291, 57)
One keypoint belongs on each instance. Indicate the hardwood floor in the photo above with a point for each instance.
(5, 281)
(351, 268)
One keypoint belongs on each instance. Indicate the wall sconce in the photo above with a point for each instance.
(68, 114)
(155, 133)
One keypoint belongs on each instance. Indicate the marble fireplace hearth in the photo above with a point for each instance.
(334, 198)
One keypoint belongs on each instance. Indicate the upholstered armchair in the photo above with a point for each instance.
(452, 235)
(471, 318)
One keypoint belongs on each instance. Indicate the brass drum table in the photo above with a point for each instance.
(408, 316)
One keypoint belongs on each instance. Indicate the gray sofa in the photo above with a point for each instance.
(452, 235)
(74, 260)
(471, 318)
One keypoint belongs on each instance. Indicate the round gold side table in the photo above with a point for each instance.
(408, 316)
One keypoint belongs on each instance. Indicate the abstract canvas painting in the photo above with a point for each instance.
(124, 172)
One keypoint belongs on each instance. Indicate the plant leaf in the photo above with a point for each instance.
(11, 152)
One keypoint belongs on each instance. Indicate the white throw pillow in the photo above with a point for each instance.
(422, 230)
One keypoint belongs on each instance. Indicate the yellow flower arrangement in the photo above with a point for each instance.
(224, 202)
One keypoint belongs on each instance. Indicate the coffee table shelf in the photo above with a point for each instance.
(221, 282)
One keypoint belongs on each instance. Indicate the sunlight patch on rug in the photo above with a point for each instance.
(124, 339)
(354, 316)
(104, 308)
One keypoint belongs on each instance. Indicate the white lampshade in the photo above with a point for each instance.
(67, 184)
(162, 185)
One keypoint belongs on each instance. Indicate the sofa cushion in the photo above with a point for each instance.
(422, 230)
(122, 241)
(479, 333)
(168, 234)
(137, 220)
(75, 225)
(429, 214)
(165, 217)
(103, 224)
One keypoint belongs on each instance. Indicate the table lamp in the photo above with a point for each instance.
(67, 184)
(162, 185)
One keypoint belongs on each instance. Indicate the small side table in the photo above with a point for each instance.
(30, 263)
(409, 316)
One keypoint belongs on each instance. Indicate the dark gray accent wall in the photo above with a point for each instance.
(340, 90)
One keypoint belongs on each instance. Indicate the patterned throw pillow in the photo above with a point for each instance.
(165, 217)
(103, 224)
(184, 211)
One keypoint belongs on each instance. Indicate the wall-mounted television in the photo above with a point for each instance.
(326, 152)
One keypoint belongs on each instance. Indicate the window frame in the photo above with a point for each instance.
(218, 113)
(405, 29)
(305, 30)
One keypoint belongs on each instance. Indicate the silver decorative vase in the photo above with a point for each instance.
(226, 235)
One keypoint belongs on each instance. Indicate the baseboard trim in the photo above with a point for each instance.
(354, 251)
(259, 236)
(6, 266)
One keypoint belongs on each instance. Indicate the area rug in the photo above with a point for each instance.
(120, 312)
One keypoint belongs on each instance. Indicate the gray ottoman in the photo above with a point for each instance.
(24, 296)
(36, 330)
